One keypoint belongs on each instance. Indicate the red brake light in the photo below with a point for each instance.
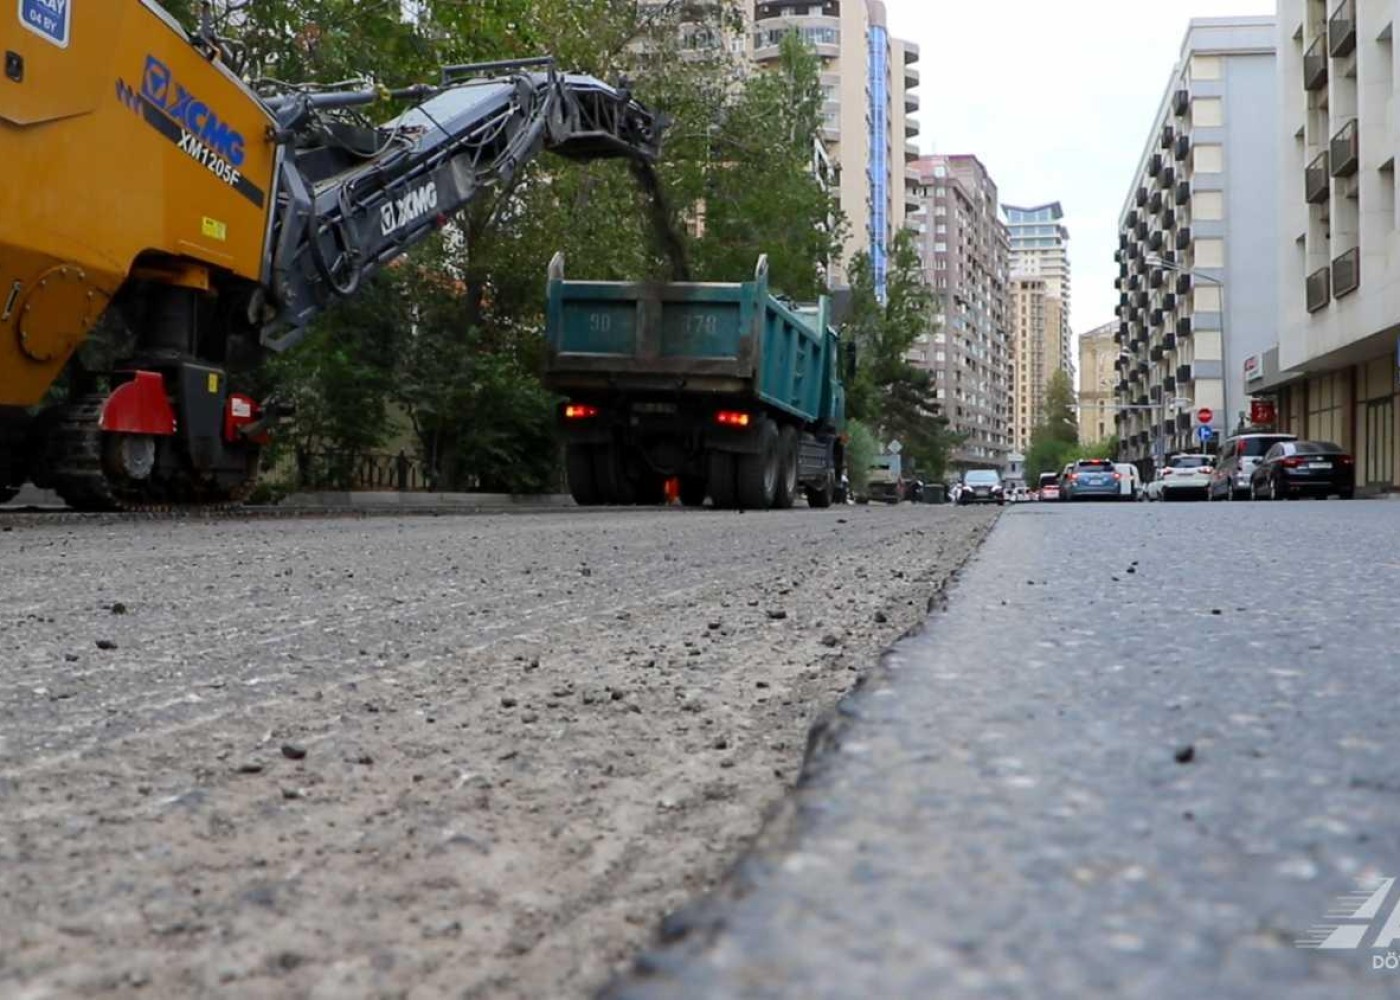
(1166, 472)
(1074, 477)
(1345, 459)
(1118, 477)
(1293, 461)
(732, 418)
(579, 411)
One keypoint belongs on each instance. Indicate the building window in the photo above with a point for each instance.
(1210, 253)
(1208, 206)
(1208, 159)
(1205, 67)
(1207, 112)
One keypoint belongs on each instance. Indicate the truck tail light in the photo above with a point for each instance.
(731, 418)
(580, 411)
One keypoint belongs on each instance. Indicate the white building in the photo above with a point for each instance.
(1197, 266)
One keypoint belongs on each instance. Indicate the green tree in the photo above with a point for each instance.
(896, 399)
(1055, 439)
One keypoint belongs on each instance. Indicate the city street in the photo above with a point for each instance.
(461, 756)
(1143, 752)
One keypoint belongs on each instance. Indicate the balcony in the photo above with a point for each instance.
(1134, 376)
(1168, 136)
(1169, 219)
(1168, 341)
(1140, 300)
(1155, 394)
(1169, 301)
(1154, 204)
(1141, 197)
(1317, 180)
(1346, 150)
(1156, 276)
(1131, 219)
(1346, 273)
(1154, 165)
(1181, 102)
(1154, 243)
(1123, 385)
(1319, 289)
(1183, 284)
(1183, 238)
(1123, 299)
(1134, 282)
(1183, 422)
(1142, 368)
(1183, 147)
(1158, 318)
(1183, 330)
(1169, 384)
(1315, 65)
(1140, 230)
(1183, 374)
(1341, 29)
(1157, 353)
(1183, 193)
(1167, 177)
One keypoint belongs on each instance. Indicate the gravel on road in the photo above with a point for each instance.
(426, 756)
(1142, 755)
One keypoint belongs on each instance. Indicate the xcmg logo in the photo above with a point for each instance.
(159, 86)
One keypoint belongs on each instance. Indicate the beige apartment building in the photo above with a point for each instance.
(1098, 372)
(1040, 333)
(966, 252)
(868, 80)
(1336, 368)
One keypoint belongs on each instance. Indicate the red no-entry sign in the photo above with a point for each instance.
(1203, 416)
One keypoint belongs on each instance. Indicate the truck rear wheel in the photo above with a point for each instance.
(693, 491)
(610, 474)
(786, 493)
(583, 484)
(721, 480)
(821, 496)
(756, 475)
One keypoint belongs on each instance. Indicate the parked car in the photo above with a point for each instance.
(1049, 487)
(1292, 469)
(1093, 478)
(1238, 457)
(982, 486)
(1182, 476)
(1129, 481)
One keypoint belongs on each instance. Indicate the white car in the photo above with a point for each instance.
(1183, 476)
(1129, 482)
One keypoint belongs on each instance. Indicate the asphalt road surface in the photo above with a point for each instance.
(1142, 754)
(464, 757)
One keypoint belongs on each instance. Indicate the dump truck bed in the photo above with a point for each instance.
(730, 339)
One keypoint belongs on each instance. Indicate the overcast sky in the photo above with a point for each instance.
(1056, 98)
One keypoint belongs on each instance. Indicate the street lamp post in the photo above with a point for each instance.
(1176, 268)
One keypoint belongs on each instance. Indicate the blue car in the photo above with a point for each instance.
(1094, 478)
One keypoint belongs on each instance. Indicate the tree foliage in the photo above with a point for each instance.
(1055, 439)
(448, 343)
(895, 398)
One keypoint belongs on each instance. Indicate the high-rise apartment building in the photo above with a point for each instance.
(868, 78)
(1197, 261)
(1040, 249)
(1098, 373)
(1040, 301)
(1334, 370)
(1041, 337)
(966, 252)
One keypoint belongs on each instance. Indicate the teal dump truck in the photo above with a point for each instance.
(723, 387)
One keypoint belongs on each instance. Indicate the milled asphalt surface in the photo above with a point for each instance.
(1141, 754)
(412, 756)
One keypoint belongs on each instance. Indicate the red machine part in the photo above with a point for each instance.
(239, 412)
(139, 407)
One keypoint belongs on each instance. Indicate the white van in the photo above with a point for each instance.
(1130, 484)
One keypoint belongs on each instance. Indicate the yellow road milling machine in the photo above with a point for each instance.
(145, 184)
